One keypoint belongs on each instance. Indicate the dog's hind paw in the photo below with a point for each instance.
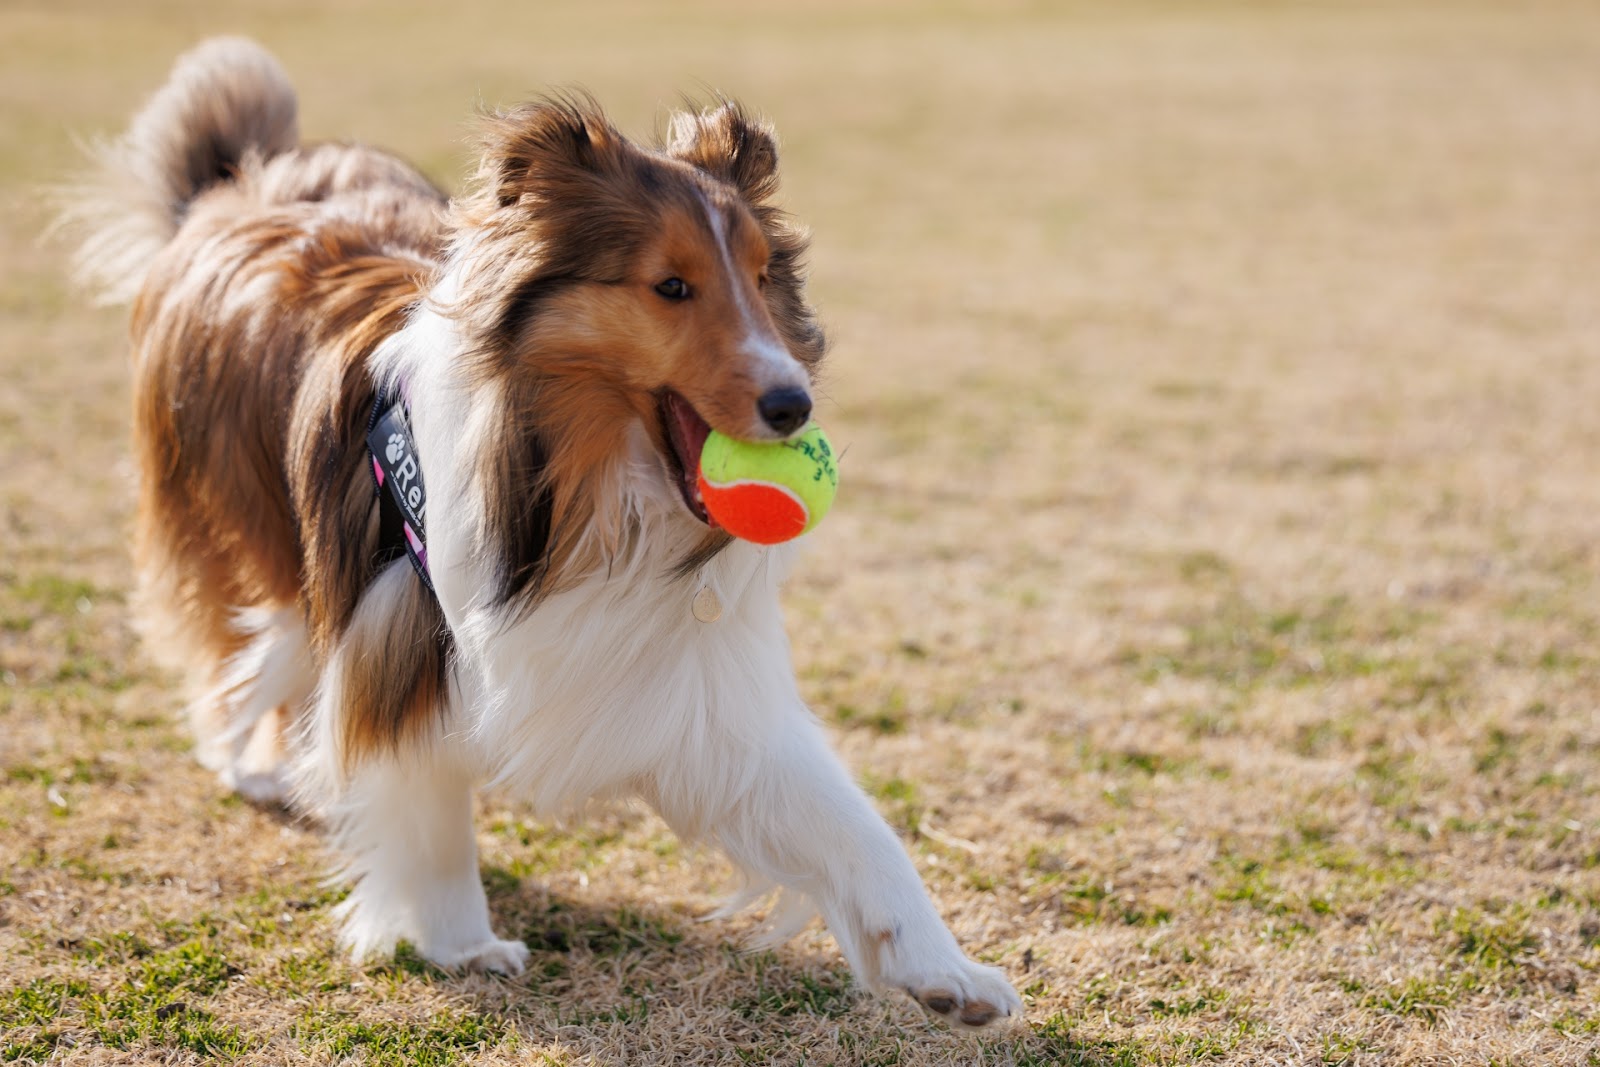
(265, 788)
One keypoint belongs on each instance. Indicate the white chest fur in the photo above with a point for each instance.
(606, 682)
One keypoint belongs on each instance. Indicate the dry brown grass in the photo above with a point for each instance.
(1212, 600)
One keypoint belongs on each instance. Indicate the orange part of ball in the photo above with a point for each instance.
(755, 511)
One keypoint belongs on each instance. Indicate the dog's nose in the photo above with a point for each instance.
(785, 410)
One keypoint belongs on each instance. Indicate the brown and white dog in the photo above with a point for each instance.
(561, 339)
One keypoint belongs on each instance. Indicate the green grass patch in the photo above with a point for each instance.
(562, 929)
(1246, 881)
(407, 962)
(1361, 871)
(899, 799)
(1180, 1005)
(1046, 862)
(1051, 1043)
(632, 1010)
(780, 990)
(196, 968)
(302, 973)
(448, 1038)
(547, 850)
(1390, 780)
(1133, 761)
(40, 1002)
(79, 771)
(158, 1003)
(1576, 1023)
(889, 717)
(1421, 998)
(1492, 941)
(53, 594)
(1094, 900)
(1204, 567)
(111, 949)
(1342, 1048)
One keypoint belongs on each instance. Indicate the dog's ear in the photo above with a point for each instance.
(546, 146)
(729, 144)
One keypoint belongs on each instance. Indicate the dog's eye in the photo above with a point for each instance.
(673, 289)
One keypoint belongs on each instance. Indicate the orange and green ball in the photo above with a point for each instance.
(768, 491)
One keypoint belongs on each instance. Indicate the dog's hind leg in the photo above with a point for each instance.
(242, 723)
(247, 670)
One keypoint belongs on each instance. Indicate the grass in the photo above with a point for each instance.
(156, 1002)
(1212, 602)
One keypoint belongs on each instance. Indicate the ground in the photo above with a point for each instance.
(1211, 600)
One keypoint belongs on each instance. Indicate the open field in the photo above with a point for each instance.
(1213, 599)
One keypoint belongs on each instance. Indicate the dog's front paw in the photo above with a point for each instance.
(970, 995)
(496, 956)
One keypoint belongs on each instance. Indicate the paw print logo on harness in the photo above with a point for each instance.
(396, 448)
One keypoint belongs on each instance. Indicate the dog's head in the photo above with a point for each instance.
(626, 282)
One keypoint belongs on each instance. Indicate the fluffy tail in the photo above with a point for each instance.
(227, 100)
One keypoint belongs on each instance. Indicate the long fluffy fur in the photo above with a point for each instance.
(275, 287)
(224, 102)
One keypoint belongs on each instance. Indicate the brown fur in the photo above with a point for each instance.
(278, 271)
(249, 414)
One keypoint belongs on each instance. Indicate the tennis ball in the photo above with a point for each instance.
(768, 491)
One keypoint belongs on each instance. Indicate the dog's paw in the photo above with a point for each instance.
(971, 996)
(494, 956)
(264, 788)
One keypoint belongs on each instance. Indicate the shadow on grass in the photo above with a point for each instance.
(639, 953)
(598, 971)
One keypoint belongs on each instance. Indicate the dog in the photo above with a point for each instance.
(417, 510)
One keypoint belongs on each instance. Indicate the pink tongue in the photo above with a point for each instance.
(692, 433)
(689, 432)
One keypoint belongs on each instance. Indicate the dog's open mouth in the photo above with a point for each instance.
(686, 433)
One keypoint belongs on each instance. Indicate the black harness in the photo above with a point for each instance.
(395, 467)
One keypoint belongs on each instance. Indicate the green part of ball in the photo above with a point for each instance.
(805, 465)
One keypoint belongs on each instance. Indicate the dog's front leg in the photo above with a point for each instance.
(802, 823)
